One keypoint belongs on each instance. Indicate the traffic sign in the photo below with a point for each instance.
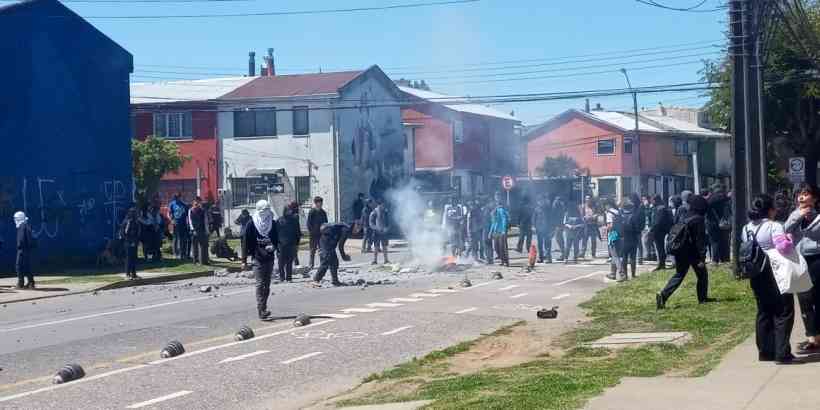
(507, 182)
(797, 169)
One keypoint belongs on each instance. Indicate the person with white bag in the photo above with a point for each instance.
(804, 225)
(775, 309)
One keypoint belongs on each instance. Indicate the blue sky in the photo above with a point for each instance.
(431, 42)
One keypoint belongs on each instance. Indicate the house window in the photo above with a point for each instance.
(627, 145)
(607, 187)
(302, 189)
(301, 121)
(176, 125)
(458, 131)
(247, 191)
(627, 186)
(606, 147)
(254, 123)
(683, 148)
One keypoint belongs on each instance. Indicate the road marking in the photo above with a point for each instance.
(405, 300)
(600, 272)
(520, 295)
(478, 285)
(510, 287)
(442, 291)
(302, 357)
(159, 399)
(424, 295)
(472, 309)
(383, 305)
(561, 296)
(244, 356)
(359, 310)
(394, 331)
(336, 315)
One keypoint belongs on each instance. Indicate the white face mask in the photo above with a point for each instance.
(19, 219)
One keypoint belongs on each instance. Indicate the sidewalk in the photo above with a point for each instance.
(739, 382)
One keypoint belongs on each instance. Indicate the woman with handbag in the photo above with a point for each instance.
(775, 310)
(804, 225)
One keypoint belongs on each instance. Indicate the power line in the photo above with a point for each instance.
(692, 9)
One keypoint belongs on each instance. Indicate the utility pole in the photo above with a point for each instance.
(738, 121)
(636, 140)
(755, 164)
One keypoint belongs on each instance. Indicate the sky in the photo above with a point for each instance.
(487, 47)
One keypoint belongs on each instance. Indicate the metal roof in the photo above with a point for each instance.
(476, 109)
(625, 122)
(293, 85)
(188, 90)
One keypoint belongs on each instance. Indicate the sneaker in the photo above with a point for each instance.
(660, 304)
(264, 315)
(316, 284)
(374, 263)
(789, 360)
(764, 357)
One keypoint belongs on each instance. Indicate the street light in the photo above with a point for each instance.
(637, 139)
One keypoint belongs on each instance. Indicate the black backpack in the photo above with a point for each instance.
(667, 220)
(751, 258)
(677, 240)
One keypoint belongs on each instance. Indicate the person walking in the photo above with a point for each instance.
(25, 245)
(804, 226)
(542, 219)
(775, 311)
(524, 226)
(692, 254)
(130, 233)
(499, 224)
(198, 221)
(367, 232)
(178, 212)
(647, 244)
(380, 224)
(332, 236)
(290, 234)
(662, 222)
(632, 223)
(315, 219)
(260, 243)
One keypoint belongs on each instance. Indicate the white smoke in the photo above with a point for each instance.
(426, 238)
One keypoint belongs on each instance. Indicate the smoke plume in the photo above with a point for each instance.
(426, 240)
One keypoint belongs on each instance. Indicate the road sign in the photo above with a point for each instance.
(797, 169)
(277, 188)
(507, 182)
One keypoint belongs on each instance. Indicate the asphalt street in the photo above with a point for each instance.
(117, 335)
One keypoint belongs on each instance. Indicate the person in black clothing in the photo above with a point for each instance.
(693, 254)
(524, 226)
(130, 233)
(542, 219)
(358, 205)
(332, 236)
(475, 230)
(215, 219)
(261, 242)
(290, 234)
(718, 225)
(632, 220)
(487, 216)
(198, 221)
(25, 243)
(367, 233)
(315, 219)
(573, 229)
(662, 222)
(559, 212)
(242, 221)
(683, 209)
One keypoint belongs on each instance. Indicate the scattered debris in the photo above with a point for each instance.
(360, 282)
(301, 320)
(465, 283)
(395, 268)
(205, 289)
(221, 273)
(95, 293)
(497, 276)
(244, 333)
(409, 270)
(68, 373)
(548, 313)
(172, 349)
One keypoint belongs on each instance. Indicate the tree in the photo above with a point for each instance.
(152, 159)
(559, 167)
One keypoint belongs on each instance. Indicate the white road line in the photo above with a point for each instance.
(442, 291)
(359, 310)
(336, 315)
(600, 272)
(561, 296)
(478, 285)
(397, 330)
(520, 295)
(383, 305)
(159, 399)
(509, 287)
(405, 300)
(74, 383)
(244, 356)
(424, 295)
(302, 357)
(472, 309)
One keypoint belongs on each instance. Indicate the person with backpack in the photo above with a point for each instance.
(614, 238)
(632, 223)
(261, 242)
(662, 222)
(804, 225)
(687, 243)
(775, 311)
(131, 233)
(25, 243)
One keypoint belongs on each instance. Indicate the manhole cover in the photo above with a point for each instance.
(621, 340)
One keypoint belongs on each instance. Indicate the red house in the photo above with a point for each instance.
(465, 147)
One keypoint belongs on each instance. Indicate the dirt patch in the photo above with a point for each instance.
(373, 391)
(521, 344)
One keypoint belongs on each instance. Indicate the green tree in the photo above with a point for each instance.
(152, 159)
(560, 166)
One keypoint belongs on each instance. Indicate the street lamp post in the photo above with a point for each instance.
(637, 138)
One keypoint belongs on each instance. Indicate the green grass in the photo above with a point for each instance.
(567, 382)
(111, 274)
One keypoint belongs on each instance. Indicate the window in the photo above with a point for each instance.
(177, 125)
(607, 187)
(685, 147)
(627, 145)
(302, 189)
(254, 123)
(606, 147)
(301, 122)
(627, 186)
(458, 131)
(247, 191)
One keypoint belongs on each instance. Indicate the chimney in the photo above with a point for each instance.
(251, 64)
(271, 64)
(586, 105)
(598, 107)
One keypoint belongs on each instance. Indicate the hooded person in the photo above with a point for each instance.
(290, 234)
(683, 209)
(131, 234)
(693, 254)
(260, 242)
(333, 236)
(25, 243)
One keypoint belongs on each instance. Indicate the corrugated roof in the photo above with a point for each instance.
(188, 90)
(293, 85)
(476, 109)
(675, 124)
(622, 121)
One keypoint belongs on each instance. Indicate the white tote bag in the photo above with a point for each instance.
(790, 271)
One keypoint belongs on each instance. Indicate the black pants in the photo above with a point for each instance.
(328, 261)
(262, 271)
(589, 240)
(200, 244)
(314, 246)
(682, 264)
(715, 242)
(130, 260)
(571, 244)
(629, 251)
(287, 254)
(559, 237)
(475, 245)
(23, 267)
(380, 244)
(544, 244)
(660, 248)
(182, 242)
(775, 316)
(810, 300)
(488, 248)
(500, 243)
(524, 238)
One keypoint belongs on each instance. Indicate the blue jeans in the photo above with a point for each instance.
(544, 244)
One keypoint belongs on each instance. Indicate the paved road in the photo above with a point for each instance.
(117, 336)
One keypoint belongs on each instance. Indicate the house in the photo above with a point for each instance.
(64, 120)
(658, 161)
(465, 147)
